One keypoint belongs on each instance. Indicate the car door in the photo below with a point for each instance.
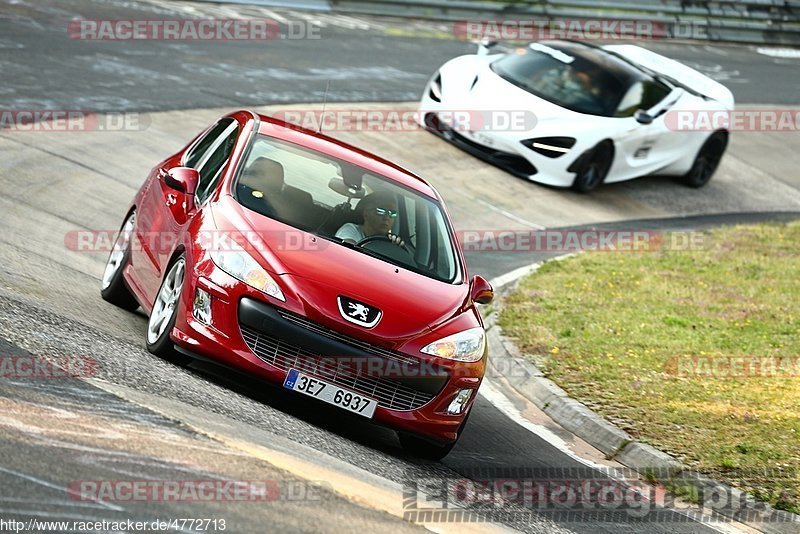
(646, 147)
(162, 213)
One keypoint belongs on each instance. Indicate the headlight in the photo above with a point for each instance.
(552, 147)
(240, 265)
(436, 88)
(466, 346)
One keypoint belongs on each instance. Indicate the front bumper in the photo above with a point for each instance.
(505, 150)
(512, 163)
(252, 335)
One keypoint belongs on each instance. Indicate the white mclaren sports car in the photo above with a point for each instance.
(602, 114)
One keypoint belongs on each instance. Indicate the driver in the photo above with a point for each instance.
(378, 211)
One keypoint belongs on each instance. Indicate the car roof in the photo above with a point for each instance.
(320, 142)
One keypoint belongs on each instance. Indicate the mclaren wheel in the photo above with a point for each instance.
(707, 160)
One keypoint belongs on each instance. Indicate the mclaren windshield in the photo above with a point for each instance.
(577, 77)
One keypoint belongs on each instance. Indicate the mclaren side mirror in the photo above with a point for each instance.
(481, 291)
(642, 117)
(485, 47)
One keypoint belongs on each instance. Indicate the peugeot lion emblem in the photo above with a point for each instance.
(358, 312)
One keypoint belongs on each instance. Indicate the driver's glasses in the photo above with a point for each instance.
(383, 212)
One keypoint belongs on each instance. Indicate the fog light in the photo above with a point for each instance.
(458, 404)
(202, 306)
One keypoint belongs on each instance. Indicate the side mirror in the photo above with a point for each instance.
(481, 291)
(183, 179)
(485, 47)
(642, 117)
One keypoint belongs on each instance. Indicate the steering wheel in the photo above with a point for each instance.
(370, 239)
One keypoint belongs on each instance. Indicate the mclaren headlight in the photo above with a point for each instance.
(552, 147)
(466, 346)
(435, 91)
(241, 265)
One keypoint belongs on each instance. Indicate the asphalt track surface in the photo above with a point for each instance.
(365, 59)
(49, 301)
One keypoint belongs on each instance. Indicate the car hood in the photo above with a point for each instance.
(314, 272)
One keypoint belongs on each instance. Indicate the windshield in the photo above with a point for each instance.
(348, 205)
(568, 80)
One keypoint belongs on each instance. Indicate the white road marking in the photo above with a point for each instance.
(490, 392)
(275, 16)
(352, 23)
(49, 515)
(187, 9)
(509, 214)
(785, 53)
(229, 12)
(311, 19)
(504, 279)
(717, 72)
(50, 502)
(285, 16)
(715, 50)
(57, 487)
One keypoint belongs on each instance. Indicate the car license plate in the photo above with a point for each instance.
(330, 393)
(483, 139)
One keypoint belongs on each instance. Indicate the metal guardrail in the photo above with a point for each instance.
(773, 22)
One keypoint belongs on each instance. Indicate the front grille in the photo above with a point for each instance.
(330, 334)
(389, 393)
(513, 163)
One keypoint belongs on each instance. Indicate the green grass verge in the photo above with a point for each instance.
(645, 339)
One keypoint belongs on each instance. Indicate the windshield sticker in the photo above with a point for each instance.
(552, 52)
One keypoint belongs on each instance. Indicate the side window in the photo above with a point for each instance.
(196, 153)
(211, 169)
(654, 93)
(641, 95)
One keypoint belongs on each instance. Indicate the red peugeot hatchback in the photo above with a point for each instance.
(307, 262)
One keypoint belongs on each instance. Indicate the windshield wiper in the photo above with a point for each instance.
(430, 273)
(374, 254)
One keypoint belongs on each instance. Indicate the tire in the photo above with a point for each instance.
(706, 161)
(428, 450)
(112, 284)
(422, 448)
(594, 169)
(162, 317)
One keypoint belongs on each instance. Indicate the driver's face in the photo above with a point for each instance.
(379, 220)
